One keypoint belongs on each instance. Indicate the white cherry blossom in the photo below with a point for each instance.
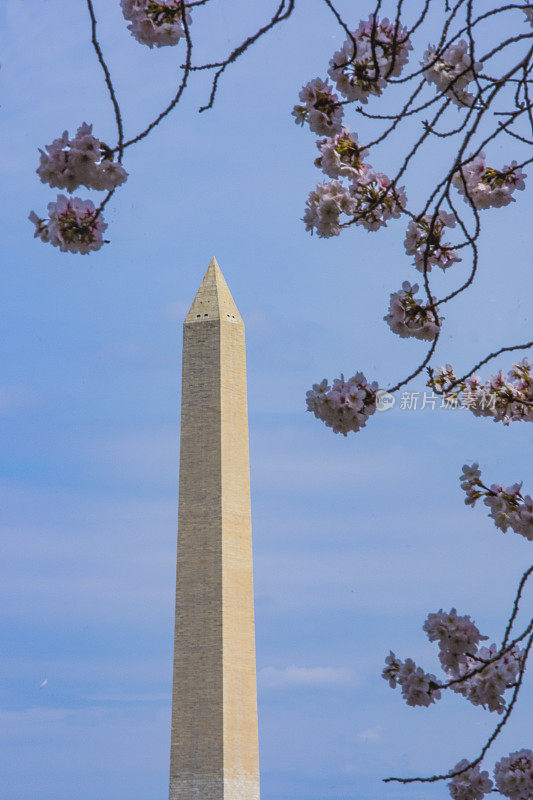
(324, 207)
(419, 688)
(509, 509)
(470, 482)
(473, 784)
(391, 670)
(409, 316)
(486, 186)
(451, 71)
(376, 200)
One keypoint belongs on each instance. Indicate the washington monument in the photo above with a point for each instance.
(214, 746)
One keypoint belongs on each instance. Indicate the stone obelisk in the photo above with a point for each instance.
(214, 745)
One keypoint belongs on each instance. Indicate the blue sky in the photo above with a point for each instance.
(355, 540)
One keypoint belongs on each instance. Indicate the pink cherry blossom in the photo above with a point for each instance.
(321, 108)
(486, 186)
(457, 636)
(473, 784)
(73, 225)
(342, 157)
(363, 72)
(156, 22)
(419, 688)
(508, 507)
(410, 317)
(514, 775)
(487, 687)
(82, 160)
(424, 241)
(505, 398)
(346, 405)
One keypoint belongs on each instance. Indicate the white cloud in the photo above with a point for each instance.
(370, 734)
(141, 455)
(305, 676)
(137, 699)
(33, 716)
(176, 310)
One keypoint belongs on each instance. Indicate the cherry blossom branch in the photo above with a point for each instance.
(516, 603)
(75, 225)
(487, 661)
(482, 102)
(281, 15)
(485, 360)
(177, 97)
(109, 82)
(492, 738)
(499, 668)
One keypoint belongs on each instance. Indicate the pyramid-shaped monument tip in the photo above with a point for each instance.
(213, 299)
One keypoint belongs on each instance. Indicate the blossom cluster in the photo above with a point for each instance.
(321, 108)
(487, 687)
(372, 53)
(508, 507)
(486, 186)
(472, 784)
(481, 675)
(341, 156)
(408, 315)
(370, 201)
(456, 636)
(513, 776)
(346, 405)
(82, 160)
(424, 241)
(153, 22)
(506, 398)
(451, 71)
(73, 225)
(419, 688)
